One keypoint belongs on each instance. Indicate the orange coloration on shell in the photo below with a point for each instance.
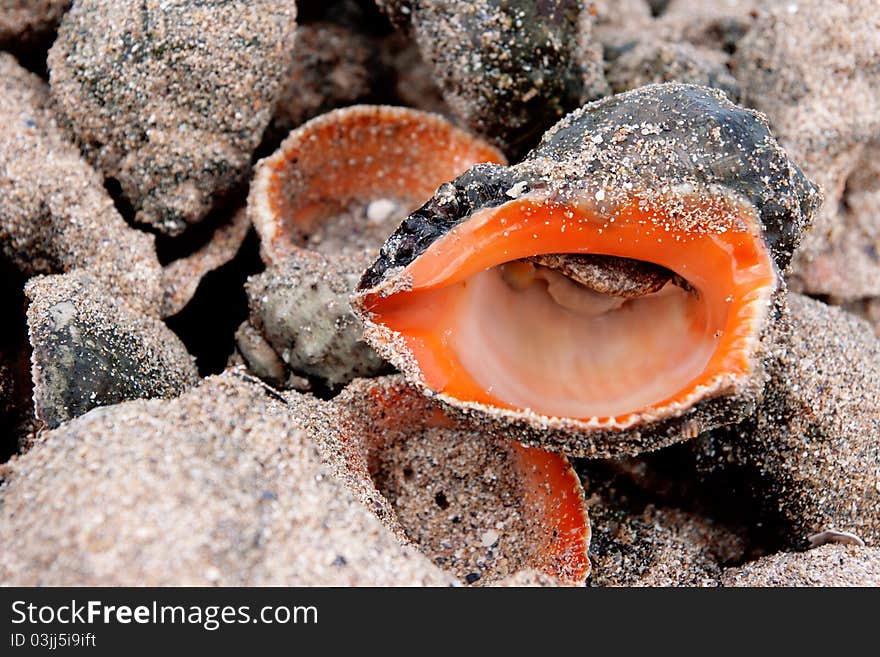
(714, 330)
(553, 493)
(554, 499)
(356, 154)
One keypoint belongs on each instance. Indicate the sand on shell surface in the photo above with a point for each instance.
(187, 392)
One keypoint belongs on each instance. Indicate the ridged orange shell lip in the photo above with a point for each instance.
(355, 155)
(624, 370)
(553, 495)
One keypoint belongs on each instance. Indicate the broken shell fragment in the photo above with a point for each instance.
(259, 356)
(671, 175)
(482, 509)
(834, 536)
(322, 206)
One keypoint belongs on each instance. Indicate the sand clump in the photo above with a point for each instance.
(54, 212)
(90, 349)
(814, 68)
(218, 487)
(170, 99)
(830, 565)
(27, 21)
(810, 453)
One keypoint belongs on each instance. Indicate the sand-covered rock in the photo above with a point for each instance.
(507, 69)
(219, 487)
(649, 62)
(26, 21)
(814, 68)
(811, 453)
(333, 66)
(830, 565)
(54, 212)
(92, 349)
(171, 98)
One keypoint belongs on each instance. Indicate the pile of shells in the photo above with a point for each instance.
(440, 293)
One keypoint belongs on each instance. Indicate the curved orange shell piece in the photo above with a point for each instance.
(554, 495)
(356, 154)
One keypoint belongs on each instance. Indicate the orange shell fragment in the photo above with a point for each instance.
(399, 447)
(352, 156)
(555, 497)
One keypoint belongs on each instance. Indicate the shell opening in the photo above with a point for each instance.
(484, 326)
